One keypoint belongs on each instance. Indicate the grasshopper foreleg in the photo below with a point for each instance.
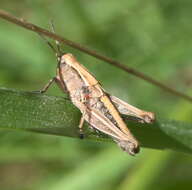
(57, 81)
(45, 88)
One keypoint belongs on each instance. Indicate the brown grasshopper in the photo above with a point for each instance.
(98, 108)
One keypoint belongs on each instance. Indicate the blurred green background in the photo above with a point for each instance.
(151, 36)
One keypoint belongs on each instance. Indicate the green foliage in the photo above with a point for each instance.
(56, 115)
(151, 36)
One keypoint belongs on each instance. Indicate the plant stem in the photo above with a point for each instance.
(21, 22)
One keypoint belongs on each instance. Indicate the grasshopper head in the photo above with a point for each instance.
(68, 58)
(130, 147)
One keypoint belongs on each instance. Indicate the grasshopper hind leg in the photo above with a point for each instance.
(81, 122)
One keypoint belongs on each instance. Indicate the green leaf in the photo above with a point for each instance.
(95, 172)
(58, 116)
(142, 178)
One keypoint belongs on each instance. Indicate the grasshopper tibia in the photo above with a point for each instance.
(45, 88)
(81, 122)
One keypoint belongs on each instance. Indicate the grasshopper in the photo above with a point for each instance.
(98, 108)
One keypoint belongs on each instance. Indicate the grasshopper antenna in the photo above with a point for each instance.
(49, 44)
(56, 50)
(58, 45)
